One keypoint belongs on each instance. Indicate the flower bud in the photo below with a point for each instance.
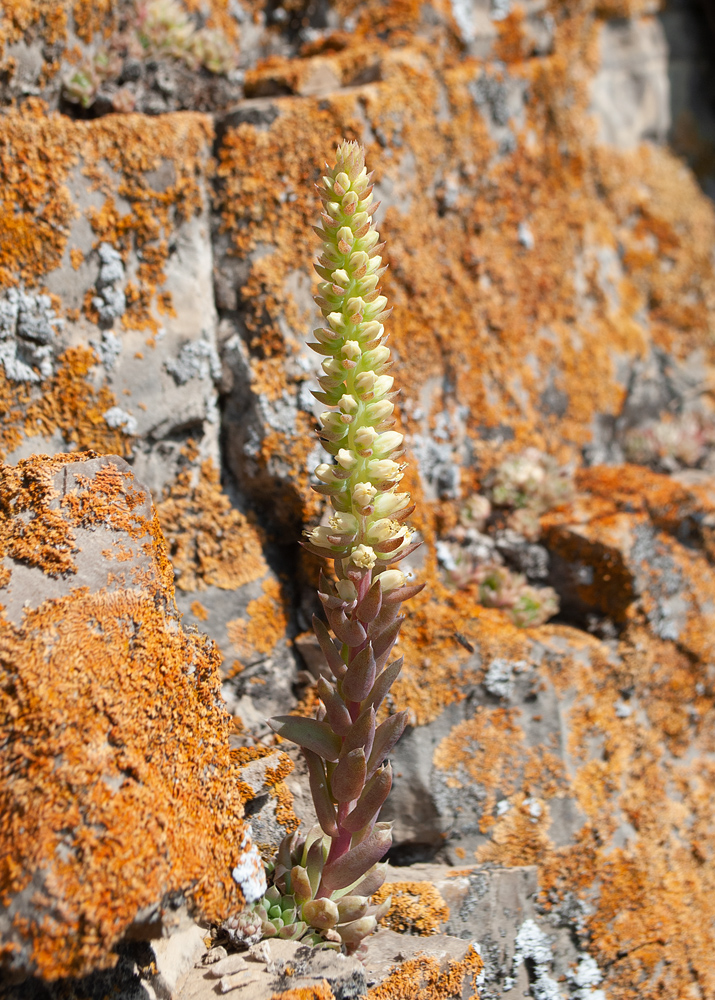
(326, 474)
(336, 320)
(331, 366)
(387, 442)
(363, 556)
(376, 357)
(365, 382)
(342, 180)
(351, 350)
(383, 385)
(345, 235)
(372, 330)
(391, 579)
(358, 260)
(347, 590)
(347, 403)
(350, 202)
(365, 437)
(355, 305)
(380, 410)
(341, 277)
(347, 459)
(363, 494)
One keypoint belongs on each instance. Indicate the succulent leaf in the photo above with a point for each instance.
(348, 778)
(309, 734)
(346, 869)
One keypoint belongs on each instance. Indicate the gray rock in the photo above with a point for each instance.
(630, 94)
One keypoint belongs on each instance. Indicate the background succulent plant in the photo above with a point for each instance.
(322, 883)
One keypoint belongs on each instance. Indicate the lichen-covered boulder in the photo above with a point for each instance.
(120, 803)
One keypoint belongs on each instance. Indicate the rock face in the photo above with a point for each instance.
(120, 805)
(552, 278)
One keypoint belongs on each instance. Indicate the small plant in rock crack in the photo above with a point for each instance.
(322, 883)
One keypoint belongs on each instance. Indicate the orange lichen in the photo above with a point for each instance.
(199, 611)
(416, 908)
(421, 978)
(265, 625)
(210, 542)
(104, 677)
(321, 991)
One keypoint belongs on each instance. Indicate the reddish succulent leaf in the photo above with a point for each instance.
(360, 675)
(309, 734)
(350, 866)
(361, 734)
(348, 778)
(331, 653)
(386, 736)
(320, 790)
(371, 800)
(336, 710)
(383, 683)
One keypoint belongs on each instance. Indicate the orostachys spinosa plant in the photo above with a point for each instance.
(322, 883)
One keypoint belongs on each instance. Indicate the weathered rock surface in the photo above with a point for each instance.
(121, 809)
(552, 280)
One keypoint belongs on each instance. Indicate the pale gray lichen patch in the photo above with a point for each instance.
(197, 359)
(499, 678)
(107, 349)
(534, 946)
(117, 418)
(110, 300)
(28, 326)
(586, 977)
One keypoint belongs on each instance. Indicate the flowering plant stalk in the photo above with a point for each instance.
(322, 884)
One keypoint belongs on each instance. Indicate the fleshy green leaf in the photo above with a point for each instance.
(309, 734)
(322, 913)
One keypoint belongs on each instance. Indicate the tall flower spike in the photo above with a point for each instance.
(345, 748)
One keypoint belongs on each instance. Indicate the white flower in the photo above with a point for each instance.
(347, 459)
(363, 556)
(344, 524)
(363, 494)
(383, 468)
(388, 503)
(382, 530)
